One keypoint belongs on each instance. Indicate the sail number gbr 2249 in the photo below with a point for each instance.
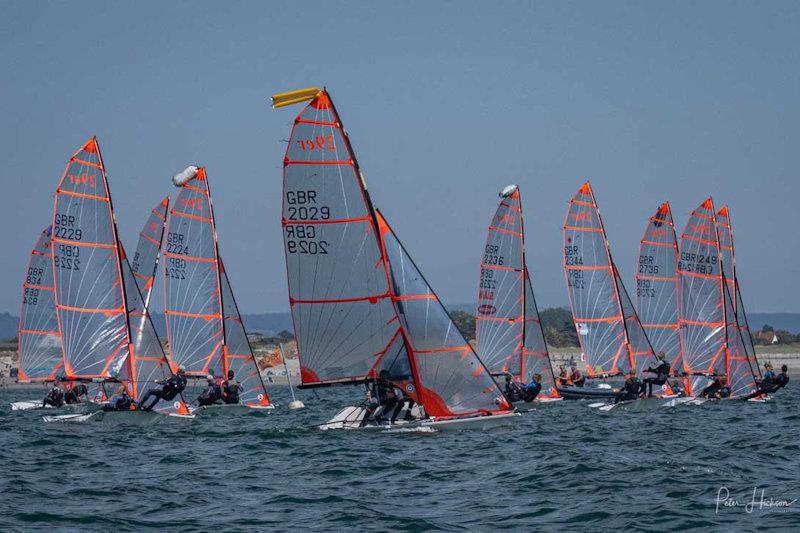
(302, 238)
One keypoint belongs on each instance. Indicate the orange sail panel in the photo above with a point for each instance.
(193, 302)
(89, 292)
(341, 307)
(450, 379)
(40, 354)
(145, 259)
(657, 285)
(594, 290)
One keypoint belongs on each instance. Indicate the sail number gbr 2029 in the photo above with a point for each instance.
(302, 238)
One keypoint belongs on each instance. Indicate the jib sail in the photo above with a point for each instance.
(40, 355)
(145, 259)
(657, 285)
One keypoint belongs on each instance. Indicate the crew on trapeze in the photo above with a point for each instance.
(212, 394)
(770, 383)
(661, 371)
(718, 389)
(231, 389)
(55, 397)
(166, 390)
(75, 394)
(121, 401)
(630, 389)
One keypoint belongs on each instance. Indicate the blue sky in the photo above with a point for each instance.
(445, 102)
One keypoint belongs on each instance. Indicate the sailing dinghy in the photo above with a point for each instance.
(204, 327)
(725, 232)
(710, 336)
(507, 326)
(359, 304)
(610, 333)
(96, 295)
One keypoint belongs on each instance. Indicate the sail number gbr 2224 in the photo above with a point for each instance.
(302, 238)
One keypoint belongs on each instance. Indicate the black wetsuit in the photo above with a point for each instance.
(230, 391)
(724, 391)
(513, 391)
(74, 394)
(662, 374)
(55, 397)
(387, 397)
(531, 391)
(210, 396)
(167, 391)
(120, 402)
(712, 390)
(780, 381)
(629, 391)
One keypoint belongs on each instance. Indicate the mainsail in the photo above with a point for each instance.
(96, 294)
(358, 302)
(40, 354)
(725, 232)
(507, 327)
(145, 259)
(610, 333)
(657, 285)
(204, 328)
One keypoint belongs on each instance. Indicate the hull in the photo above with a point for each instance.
(37, 404)
(141, 418)
(351, 418)
(642, 404)
(229, 409)
(583, 393)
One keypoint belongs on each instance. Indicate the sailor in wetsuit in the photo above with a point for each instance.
(718, 389)
(630, 389)
(212, 394)
(781, 379)
(55, 397)
(166, 390)
(75, 394)
(532, 389)
(231, 389)
(577, 379)
(387, 396)
(661, 372)
(120, 401)
(512, 389)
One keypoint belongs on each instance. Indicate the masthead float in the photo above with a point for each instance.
(360, 306)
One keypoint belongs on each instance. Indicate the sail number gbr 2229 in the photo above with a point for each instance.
(302, 238)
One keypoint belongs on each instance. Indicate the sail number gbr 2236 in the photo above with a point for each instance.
(302, 238)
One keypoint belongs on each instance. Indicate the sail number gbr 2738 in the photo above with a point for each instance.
(302, 238)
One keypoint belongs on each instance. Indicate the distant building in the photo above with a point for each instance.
(767, 336)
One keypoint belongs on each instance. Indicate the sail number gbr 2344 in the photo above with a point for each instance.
(302, 238)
